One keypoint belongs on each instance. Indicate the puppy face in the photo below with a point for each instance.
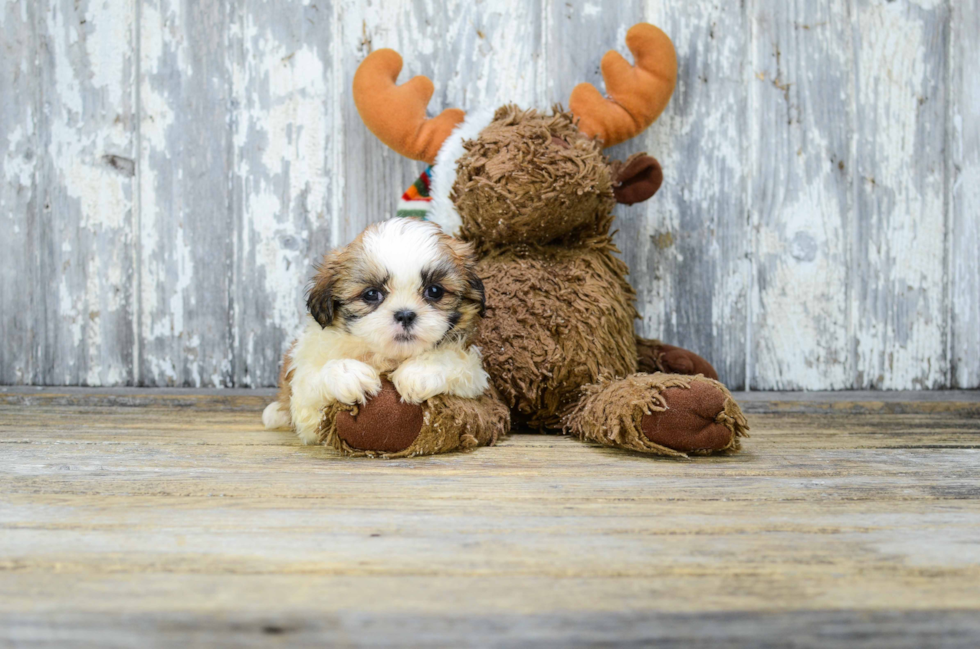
(402, 287)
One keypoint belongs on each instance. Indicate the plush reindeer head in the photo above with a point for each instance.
(518, 176)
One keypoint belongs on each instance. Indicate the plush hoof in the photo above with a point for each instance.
(385, 424)
(660, 414)
(680, 361)
(387, 427)
(690, 424)
(654, 356)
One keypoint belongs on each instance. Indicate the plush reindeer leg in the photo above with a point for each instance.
(387, 427)
(655, 356)
(660, 414)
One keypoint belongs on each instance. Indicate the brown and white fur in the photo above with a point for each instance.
(402, 299)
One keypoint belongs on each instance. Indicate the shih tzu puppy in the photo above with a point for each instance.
(402, 299)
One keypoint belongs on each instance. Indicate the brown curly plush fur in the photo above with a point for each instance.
(557, 318)
(535, 197)
(532, 178)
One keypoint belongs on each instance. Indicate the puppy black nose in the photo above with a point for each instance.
(405, 318)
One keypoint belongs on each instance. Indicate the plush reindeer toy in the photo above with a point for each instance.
(534, 194)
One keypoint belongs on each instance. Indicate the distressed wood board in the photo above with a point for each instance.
(192, 525)
(171, 170)
(964, 235)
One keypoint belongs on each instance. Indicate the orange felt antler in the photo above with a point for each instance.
(396, 114)
(637, 95)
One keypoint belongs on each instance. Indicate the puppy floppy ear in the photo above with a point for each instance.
(466, 256)
(475, 291)
(319, 299)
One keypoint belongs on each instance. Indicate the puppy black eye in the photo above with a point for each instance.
(434, 292)
(372, 295)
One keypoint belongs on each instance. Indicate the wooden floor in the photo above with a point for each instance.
(130, 518)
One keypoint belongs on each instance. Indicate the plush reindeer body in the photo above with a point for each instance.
(558, 319)
(534, 193)
(535, 197)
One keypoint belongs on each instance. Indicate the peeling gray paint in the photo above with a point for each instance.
(695, 292)
(83, 294)
(172, 169)
(801, 193)
(964, 178)
(18, 195)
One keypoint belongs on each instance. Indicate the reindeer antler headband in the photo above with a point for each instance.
(637, 96)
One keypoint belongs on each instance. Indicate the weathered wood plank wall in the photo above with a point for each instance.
(963, 258)
(171, 169)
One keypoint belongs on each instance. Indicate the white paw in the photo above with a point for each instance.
(472, 385)
(417, 382)
(307, 434)
(349, 381)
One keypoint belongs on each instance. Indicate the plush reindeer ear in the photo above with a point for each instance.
(319, 300)
(637, 179)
